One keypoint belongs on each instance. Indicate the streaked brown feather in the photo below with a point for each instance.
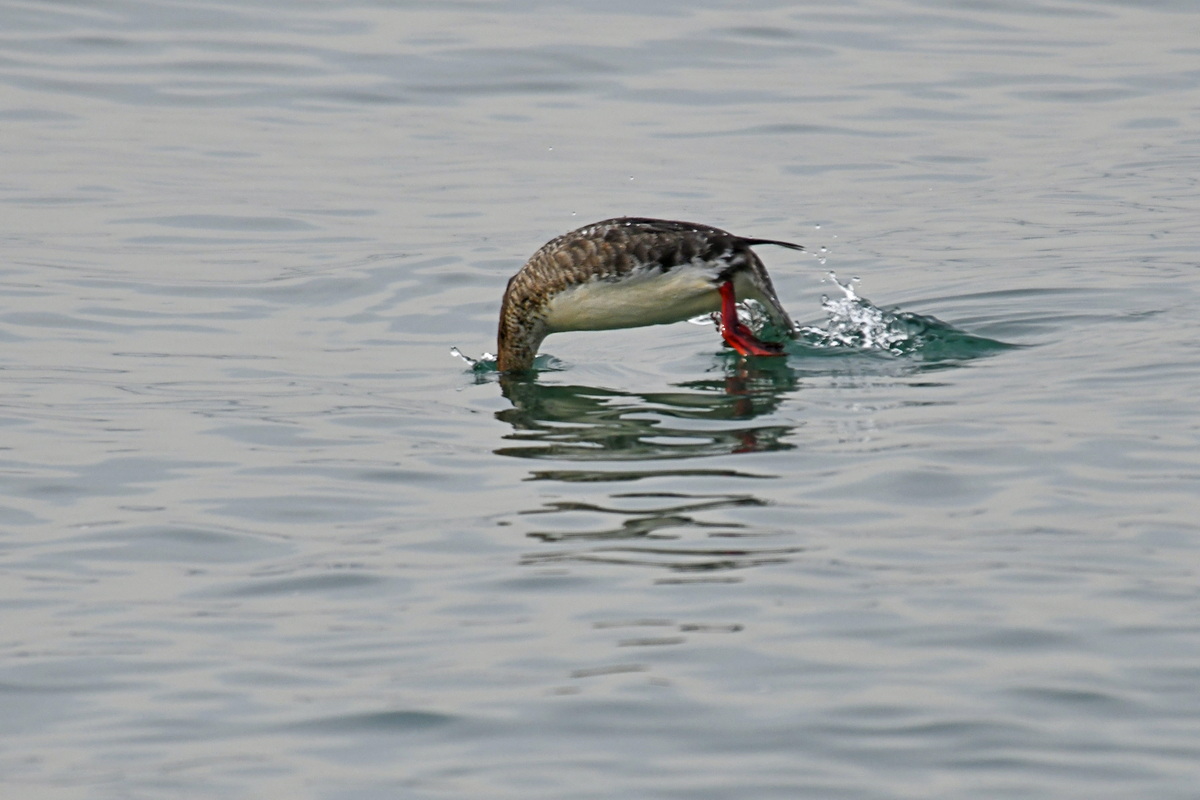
(614, 250)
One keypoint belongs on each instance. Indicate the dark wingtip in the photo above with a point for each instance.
(788, 245)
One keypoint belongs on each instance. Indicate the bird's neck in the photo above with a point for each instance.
(522, 329)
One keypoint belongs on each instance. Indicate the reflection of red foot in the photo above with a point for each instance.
(737, 335)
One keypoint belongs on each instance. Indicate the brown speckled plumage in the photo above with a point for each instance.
(624, 251)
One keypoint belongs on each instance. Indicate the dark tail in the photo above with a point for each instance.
(788, 245)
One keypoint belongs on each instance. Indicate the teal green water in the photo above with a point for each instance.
(262, 536)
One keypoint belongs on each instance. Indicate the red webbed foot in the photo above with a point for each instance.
(737, 335)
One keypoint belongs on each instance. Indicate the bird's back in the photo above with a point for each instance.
(627, 272)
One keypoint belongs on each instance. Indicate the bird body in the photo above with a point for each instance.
(629, 272)
(647, 295)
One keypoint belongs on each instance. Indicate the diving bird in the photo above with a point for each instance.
(632, 271)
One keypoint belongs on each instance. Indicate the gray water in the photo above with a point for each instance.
(262, 536)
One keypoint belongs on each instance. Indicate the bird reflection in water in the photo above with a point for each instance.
(586, 423)
(642, 438)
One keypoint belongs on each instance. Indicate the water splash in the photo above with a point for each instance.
(471, 362)
(751, 313)
(483, 365)
(486, 363)
(856, 324)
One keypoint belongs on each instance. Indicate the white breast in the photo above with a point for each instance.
(644, 297)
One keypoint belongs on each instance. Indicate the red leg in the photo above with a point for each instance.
(737, 335)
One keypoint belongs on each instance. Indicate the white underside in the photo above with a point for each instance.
(645, 298)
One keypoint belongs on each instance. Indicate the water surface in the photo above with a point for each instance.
(263, 535)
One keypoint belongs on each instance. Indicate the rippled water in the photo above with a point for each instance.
(262, 536)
